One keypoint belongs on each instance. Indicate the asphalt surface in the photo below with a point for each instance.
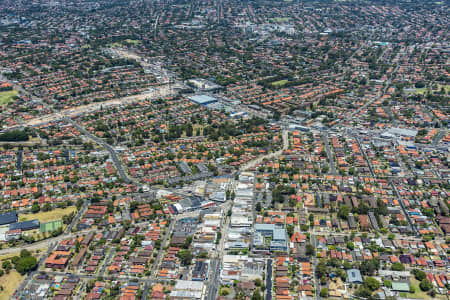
(329, 154)
(402, 205)
(160, 256)
(108, 148)
(111, 252)
(19, 291)
(438, 137)
(269, 280)
(365, 155)
(77, 217)
(316, 279)
(213, 286)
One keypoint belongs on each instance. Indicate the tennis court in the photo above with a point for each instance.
(50, 226)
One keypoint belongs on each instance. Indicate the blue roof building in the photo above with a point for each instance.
(8, 218)
(26, 225)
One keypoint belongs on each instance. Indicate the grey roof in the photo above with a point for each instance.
(26, 225)
(354, 276)
(279, 234)
(261, 227)
(400, 286)
(8, 218)
(402, 131)
(202, 99)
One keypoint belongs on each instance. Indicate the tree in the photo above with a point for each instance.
(290, 229)
(350, 245)
(425, 285)
(324, 293)
(398, 267)
(67, 219)
(6, 265)
(419, 84)
(47, 207)
(14, 136)
(258, 206)
(258, 282)
(321, 269)
(35, 208)
(419, 274)
(224, 292)
(363, 292)
(387, 283)
(309, 249)
(218, 237)
(187, 242)
(347, 265)
(371, 283)
(26, 264)
(368, 267)
(25, 253)
(256, 295)
(79, 204)
(343, 212)
(185, 256)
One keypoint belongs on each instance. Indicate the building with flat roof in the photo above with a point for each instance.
(8, 218)
(277, 234)
(400, 286)
(188, 290)
(203, 99)
(26, 225)
(398, 132)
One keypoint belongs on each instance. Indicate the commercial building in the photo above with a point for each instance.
(26, 225)
(203, 99)
(275, 233)
(8, 218)
(187, 290)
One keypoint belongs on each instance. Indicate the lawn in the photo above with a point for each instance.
(419, 294)
(446, 88)
(10, 282)
(134, 42)
(6, 97)
(52, 215)
(278, 19)
(119, 44)
(279, 83)
(423, 91)
(6, 256)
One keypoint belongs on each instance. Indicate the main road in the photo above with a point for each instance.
(112, 152)
(215, 263)
(259, 159)
(329, 153)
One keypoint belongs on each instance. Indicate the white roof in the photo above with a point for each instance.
(186, 285)
(402, 131)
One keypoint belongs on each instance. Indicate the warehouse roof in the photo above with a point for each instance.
(26, 225)
(202, 99)
(8, 218)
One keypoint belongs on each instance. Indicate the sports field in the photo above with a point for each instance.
(279, 83)
(6, 97)
(45, 216)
